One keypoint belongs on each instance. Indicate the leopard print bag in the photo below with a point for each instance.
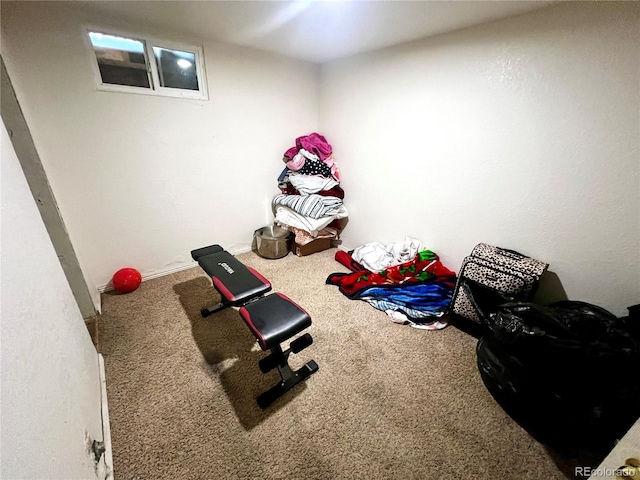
(501, 275)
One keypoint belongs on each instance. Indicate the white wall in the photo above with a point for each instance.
(141, 180)
(524, 133)
(50, 391)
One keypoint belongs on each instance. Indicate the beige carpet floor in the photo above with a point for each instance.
(388, 402)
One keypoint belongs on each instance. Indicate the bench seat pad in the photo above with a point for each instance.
(274, 319)
(236, 282)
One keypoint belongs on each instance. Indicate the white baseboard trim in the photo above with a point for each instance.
(109, 287)
(161, 273)
(106, 425)
(241, 250)
(169, 271)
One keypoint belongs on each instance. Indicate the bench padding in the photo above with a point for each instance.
(274, 319)
(236, 283)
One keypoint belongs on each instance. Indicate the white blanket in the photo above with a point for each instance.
(308, 184)
(287, 217)
(314, 206)
(376, 257)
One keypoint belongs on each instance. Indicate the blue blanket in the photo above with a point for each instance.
(415, 300)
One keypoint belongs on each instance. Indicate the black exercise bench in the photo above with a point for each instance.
(272, 319)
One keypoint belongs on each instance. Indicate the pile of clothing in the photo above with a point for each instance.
(407, 282)
(311, 203)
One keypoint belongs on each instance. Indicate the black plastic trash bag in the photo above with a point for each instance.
(568, 373)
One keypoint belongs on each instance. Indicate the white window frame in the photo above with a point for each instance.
(152, 68)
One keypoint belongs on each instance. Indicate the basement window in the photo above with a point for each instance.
(130, 64)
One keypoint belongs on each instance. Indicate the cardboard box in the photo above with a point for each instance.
(314, 246)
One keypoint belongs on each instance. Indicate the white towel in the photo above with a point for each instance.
(308, 184)
(290, 218)
(376, 257)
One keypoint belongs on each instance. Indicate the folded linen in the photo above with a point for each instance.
(308, 184)
(287, 217)
(313, 206)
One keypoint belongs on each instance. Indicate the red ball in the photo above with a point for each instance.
(126, 280)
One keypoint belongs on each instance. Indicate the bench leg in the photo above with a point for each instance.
(290, 378)
(205, 312)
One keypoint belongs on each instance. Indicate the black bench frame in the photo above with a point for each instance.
(214, 258)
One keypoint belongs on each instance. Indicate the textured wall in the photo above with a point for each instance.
(141, 180)
(522, 132)
(50, 393)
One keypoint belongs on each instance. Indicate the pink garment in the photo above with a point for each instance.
(315, 143)
(289, 154)
(335, 172)
(296, 163)
(330, 161)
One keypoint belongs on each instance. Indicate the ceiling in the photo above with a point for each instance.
(314, 30)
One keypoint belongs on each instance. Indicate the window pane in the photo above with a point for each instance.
(122, 61)
(176, 69)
